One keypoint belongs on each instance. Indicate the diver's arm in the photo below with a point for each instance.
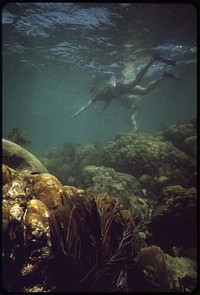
(83, 108)
(104, 107)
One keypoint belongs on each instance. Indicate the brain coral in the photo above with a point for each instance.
(104, 179)
(139, 154)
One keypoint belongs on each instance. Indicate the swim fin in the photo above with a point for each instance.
(167, 61)
(172, 76)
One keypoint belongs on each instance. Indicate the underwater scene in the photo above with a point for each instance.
(99, 148)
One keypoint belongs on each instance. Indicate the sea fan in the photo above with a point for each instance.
(93, 244)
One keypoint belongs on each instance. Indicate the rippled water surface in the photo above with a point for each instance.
(54, 53)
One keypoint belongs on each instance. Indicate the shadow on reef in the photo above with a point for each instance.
(124, 228)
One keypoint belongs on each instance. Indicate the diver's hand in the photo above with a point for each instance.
(74, 115)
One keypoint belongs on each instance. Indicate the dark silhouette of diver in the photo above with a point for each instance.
(110, 92)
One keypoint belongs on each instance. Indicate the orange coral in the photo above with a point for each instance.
(48, 189)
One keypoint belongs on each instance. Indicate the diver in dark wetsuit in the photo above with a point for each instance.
(110, 92)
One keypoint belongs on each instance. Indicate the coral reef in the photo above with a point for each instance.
(152, 261)
(127, 188)
(36, 219)
(26, 234)
(86, 154)
(183, 136)
(122, 218)
(175, 217)
(182, 273)
(18, 158)
(155, 156)
(68, 161)
(48, 189)
(93, 240)
(103, 179)
(8, 174)
(81, 243)
(58, 161)
(139, 154)
(152, 186)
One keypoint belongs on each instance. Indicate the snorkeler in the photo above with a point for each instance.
(110, 92)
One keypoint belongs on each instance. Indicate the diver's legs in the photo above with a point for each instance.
(143, 71)
(145, 90)
(135, 108)
(133, 121)
(154, 58)
(139, 76)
